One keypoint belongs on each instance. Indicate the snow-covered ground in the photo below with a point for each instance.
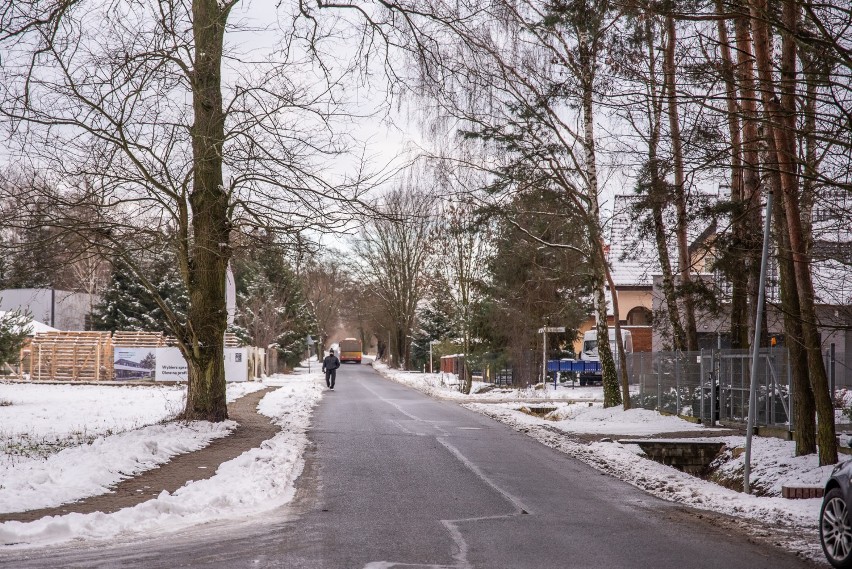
(445, 386)
(60, 443)
(37, 420)
(128, 442)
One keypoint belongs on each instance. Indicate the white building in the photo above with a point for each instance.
(61, 309)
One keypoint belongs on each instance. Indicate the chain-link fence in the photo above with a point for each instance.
(713, 384)
(705, 384)
(506, 368)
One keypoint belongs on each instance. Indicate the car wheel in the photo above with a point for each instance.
(835, 530)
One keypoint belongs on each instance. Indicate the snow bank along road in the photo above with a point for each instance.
(396, 479)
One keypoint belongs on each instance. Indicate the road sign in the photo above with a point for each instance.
(309, 341)
(555, 329)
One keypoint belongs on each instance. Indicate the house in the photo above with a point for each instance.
(633, 263)
(637, 276)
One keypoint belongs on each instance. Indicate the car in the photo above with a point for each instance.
(835, 517)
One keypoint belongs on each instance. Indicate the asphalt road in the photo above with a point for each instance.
(395, 479)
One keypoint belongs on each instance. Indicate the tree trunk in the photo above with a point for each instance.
(210, 249)
(612, 395)
(751, 186)
(781, 127)
(736, 267)
(657, 197)
(467, 384)
(400, 346)
(679, 187)
(804, 410)
(619, 343)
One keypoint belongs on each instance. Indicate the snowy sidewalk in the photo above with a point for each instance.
(256, 477)
(253, 429)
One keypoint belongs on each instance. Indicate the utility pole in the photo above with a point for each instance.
(755, 345)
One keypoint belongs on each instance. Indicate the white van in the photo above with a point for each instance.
(589, 352)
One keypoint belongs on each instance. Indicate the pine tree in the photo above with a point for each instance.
(127, 305)
(13, 331)
(272, 308)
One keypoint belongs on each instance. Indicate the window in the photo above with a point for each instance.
(639, 316)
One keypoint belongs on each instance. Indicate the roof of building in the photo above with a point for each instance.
(634, 259)
(34, 326)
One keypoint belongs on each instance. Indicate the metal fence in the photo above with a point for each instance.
(713, 384)
(705, 384)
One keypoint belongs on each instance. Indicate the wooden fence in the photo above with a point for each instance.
(69, 356)
(88, 356)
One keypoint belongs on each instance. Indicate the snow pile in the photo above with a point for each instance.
(90, 470)
(37, 477)
(593, 419)
(773, 465)
(260, 479)
(445, 386)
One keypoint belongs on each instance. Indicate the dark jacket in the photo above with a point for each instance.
(330, 363)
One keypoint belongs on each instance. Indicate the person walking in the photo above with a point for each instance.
(329, 365)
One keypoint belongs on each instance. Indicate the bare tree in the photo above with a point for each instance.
(394, 248)
(461, 248)
(326, 281)
(522, 78)
(178, 138)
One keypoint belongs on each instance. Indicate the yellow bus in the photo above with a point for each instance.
(350, 350)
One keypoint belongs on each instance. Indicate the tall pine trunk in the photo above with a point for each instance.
(681, 225)
(804, 410)
(781, 123)
(751, 184)
(736, 265)
(657, 195)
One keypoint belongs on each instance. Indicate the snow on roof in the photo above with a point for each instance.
(633, 259)
(35, 327)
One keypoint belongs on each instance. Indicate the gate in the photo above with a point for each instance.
(713, 385)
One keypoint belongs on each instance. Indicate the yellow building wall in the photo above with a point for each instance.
(627, 301)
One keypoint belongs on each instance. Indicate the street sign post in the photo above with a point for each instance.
(310, 342)
(543, 331)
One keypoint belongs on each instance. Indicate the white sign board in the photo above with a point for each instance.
(133, 363)
(554, 329)
(172, 367)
